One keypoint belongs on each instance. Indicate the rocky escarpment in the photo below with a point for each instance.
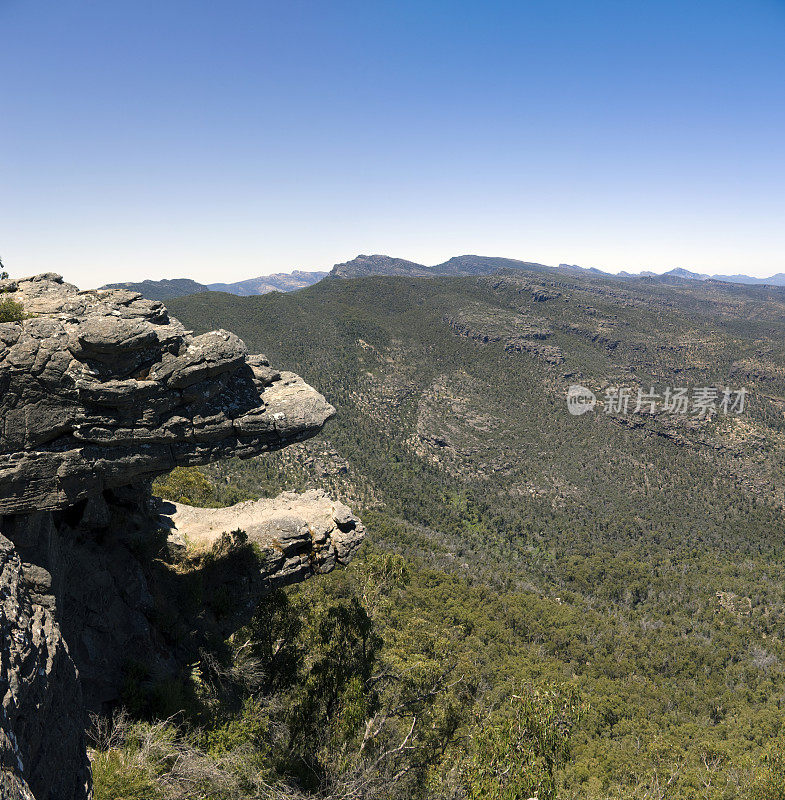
(518, 333)
(100, 391)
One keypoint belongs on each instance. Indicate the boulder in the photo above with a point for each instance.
(298, 535)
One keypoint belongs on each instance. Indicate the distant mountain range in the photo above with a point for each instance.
(277, 282)
(773, 280)
(457, 266)
(166, 289)
(483, 265)
(368, 265)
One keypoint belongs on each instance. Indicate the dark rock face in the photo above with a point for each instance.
(42, 747)
(87, 563)
(101, 389)
(99, 392)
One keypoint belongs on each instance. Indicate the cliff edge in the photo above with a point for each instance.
(100, 391)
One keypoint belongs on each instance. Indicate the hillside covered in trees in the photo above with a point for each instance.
(620, 574)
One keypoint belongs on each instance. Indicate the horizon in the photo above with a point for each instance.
(224, 143)
(327, 269)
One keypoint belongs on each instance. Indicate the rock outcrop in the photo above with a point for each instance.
(298, 534)
(100, 391)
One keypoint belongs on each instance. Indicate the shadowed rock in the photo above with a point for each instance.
(42, 745)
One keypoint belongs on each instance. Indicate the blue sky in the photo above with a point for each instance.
(225, 140)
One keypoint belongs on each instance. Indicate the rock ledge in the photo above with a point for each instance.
(102, 388)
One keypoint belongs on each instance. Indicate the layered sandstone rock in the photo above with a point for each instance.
(100, 389)
(298, 534)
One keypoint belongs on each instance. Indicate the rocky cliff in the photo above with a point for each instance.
(100, 391)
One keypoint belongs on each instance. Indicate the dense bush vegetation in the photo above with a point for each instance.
(329, 692)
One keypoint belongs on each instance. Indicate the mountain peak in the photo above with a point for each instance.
(364, 265)
(457, 266)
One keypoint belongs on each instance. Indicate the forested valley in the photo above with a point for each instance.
(545, 605)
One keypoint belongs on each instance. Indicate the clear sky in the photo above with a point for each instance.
(223, 140)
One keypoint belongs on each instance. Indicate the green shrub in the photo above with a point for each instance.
(185, 485)
(250, 727)
(11, 311)
(770, 784)
(517, 750)
(115, 777)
